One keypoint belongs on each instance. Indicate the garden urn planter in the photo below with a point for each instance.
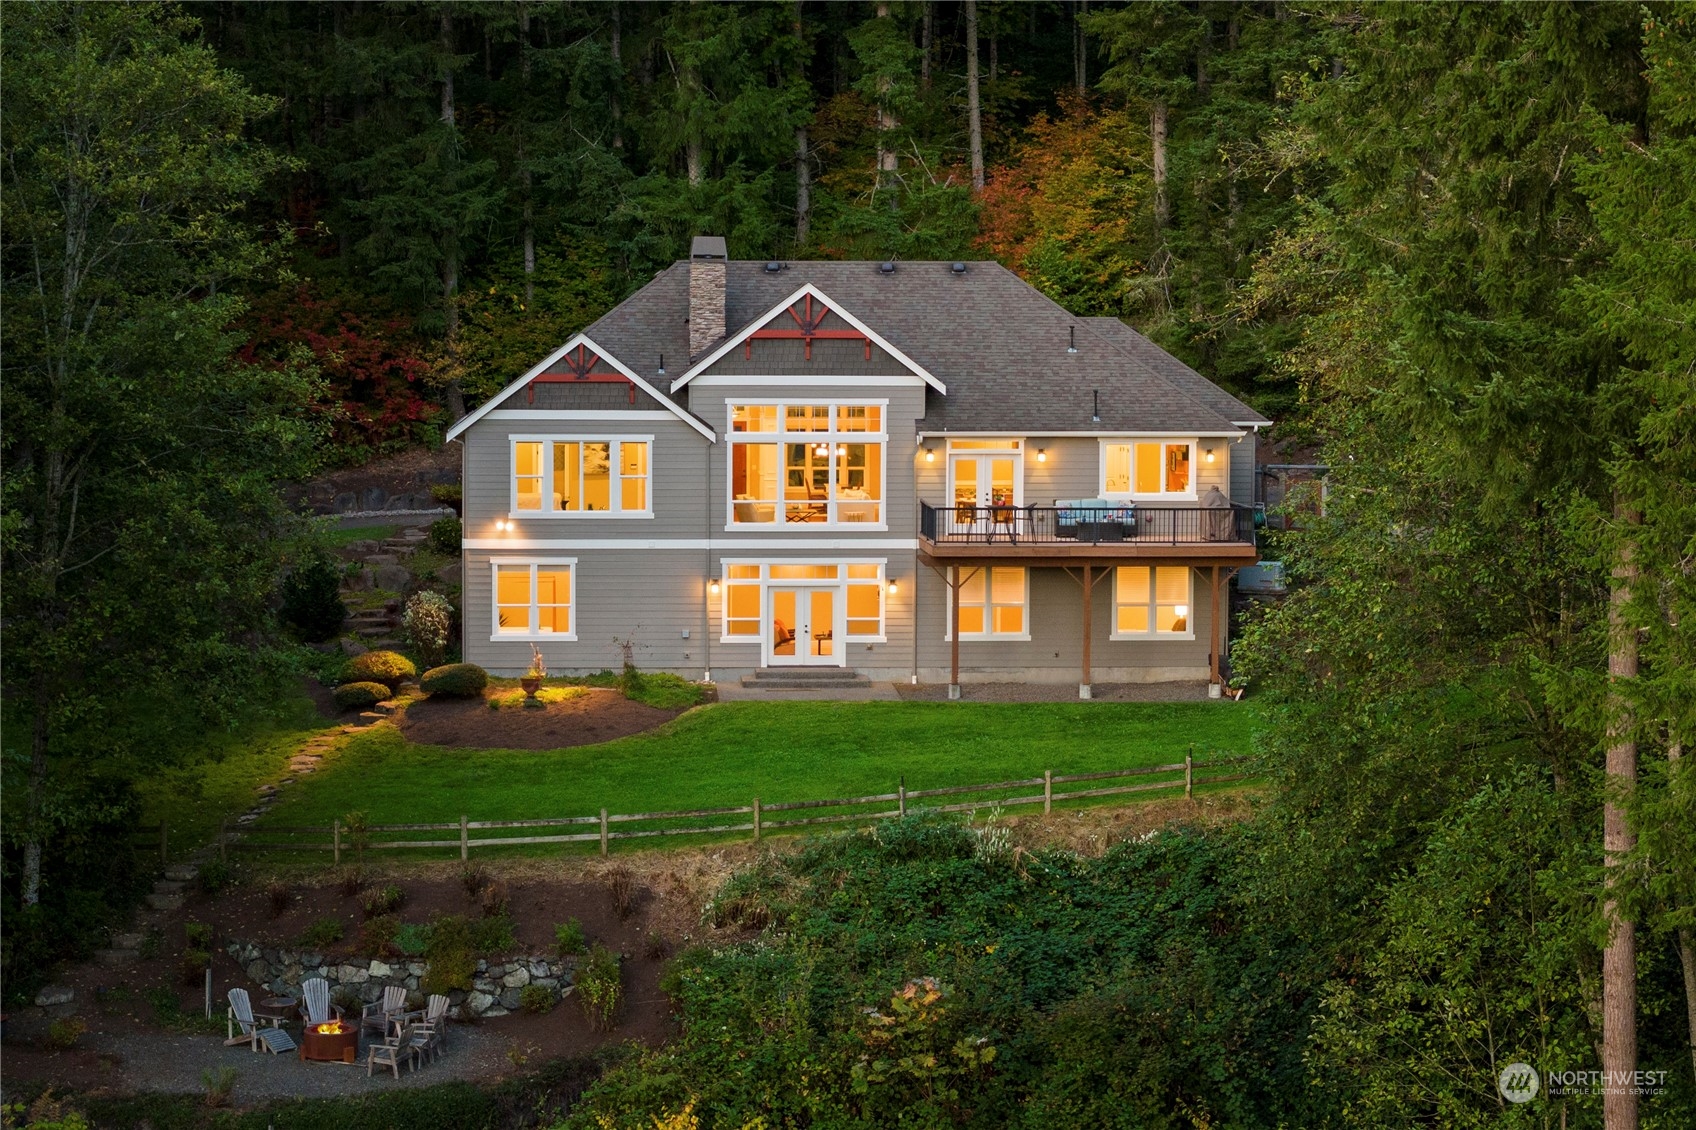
(531, 684)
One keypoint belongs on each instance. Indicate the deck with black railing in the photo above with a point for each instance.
(1203, 534)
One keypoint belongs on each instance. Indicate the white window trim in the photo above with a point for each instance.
(781, 437)
(1016, 452)
(1153, 633)
(1158, 496)
(529, 634)
(765, 581)
(616, 495)
(986, 637)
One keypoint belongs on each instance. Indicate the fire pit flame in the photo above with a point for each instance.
(333, 1028)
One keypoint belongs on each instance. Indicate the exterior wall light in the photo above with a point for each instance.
(713, 587)
(893, 588)
(502, 524)
(930, 455)
(1210, 455)
(1042, 455)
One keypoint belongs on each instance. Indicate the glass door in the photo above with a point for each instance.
(801, 627)
(986, 488)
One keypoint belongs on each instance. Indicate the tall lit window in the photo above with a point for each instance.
(533, 598)
(581, 476)
(993, 604)
(860, 584)
(1146, 469)
(742, 601)
(1152, 601)
(812, 464)
(865, 602)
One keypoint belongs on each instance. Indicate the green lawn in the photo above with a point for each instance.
(728, 753)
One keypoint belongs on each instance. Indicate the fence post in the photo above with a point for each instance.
(1189, 772)
(901, 792)
(1047, 791)
(464, 841)
(756, 819)
(223, 836)
(336, 840)
(603, 831)
(164, 843)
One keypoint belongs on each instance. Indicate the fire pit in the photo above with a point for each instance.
(335, 1042)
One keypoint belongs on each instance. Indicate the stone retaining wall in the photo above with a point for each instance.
(495, 988)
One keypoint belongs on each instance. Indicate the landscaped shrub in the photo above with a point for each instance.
(352, 881)
(65, 1032)
(536, 999)
(312, 599)
(451, 955)
(387, 667)
(198, 934)
(456, 680)
(213, 877)
(493, 900)
(358, 696)
(378, 934)
(473, 877)
(568, 938)
(379, 901)
(445, 535)
(219, 1082)
(194, 965)
(449, 494)
(412, 939)
(600, 987)
(493, 935)
(428, 623)
(621, 885)
(324, 932)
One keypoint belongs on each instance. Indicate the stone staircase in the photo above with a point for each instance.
(377, 628)
(805, 679)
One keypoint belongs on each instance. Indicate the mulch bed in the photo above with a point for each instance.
(600, 715)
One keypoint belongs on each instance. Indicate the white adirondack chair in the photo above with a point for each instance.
(435, 1025)
(390, 1050)
(319, 1010)
(381, 1015)
(254, 1033)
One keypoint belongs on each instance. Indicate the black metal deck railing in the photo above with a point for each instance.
(1061, 525)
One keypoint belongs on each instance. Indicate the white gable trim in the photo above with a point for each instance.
(730, 343)
(545, 363)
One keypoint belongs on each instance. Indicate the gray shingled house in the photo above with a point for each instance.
(910, 471)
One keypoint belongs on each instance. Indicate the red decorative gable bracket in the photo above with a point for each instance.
(807, 325)
(579, 367)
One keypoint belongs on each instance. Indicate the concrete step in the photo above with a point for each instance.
(169, 886)
(182, 872)
(820, 674)
(838, 680)
(165, 902)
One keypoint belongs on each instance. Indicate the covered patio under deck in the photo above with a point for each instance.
(959, 541)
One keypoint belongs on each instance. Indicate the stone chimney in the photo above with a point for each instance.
(707, 258)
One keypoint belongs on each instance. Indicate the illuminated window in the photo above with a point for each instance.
(1147, 469)
(993, 604)
(581, 476)
(822, 465)
(859, 588)
(533, 599)
(1152, 601)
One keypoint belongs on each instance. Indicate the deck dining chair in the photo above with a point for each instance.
(255, 1033)
(390, 1050)
(381, 1015)
(316, 1000)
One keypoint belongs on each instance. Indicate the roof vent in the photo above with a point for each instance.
(887, 267)
(957, 268)
(1072, 341)
(773, 267)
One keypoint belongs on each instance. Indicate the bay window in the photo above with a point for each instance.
(534, 599)
(1147, 469)
(1152, 601)
(812, 464)
(559, 476)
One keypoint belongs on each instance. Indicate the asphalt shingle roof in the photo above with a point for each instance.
(999, 345)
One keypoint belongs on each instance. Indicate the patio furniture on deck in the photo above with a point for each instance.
(256, 1032)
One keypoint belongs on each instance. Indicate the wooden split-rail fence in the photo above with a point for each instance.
(339, 837)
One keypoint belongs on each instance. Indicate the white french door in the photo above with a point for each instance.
(801, 628)
(977, 483)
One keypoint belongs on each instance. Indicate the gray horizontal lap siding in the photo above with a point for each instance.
(1242, 470)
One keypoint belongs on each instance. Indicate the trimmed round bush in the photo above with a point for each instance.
(445, 535)
(350, 696)
(455, 680)
(390, 668)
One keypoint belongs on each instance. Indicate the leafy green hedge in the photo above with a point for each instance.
(455, 680)
(357, 696)
(390, 668)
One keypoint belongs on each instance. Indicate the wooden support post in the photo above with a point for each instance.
(954, 579)
(1047, 791)
(603, 831)
(336, 841)
(164, 843)
(1089, 588)
(1213, 659)
(901, 795)
(464, 840)
(1189, 773)
(756, 819)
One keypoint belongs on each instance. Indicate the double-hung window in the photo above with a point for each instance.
(555, 476)
(534, 599)
(994, 604)
(1152, 602)
(807, 464)
(1147, 469)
